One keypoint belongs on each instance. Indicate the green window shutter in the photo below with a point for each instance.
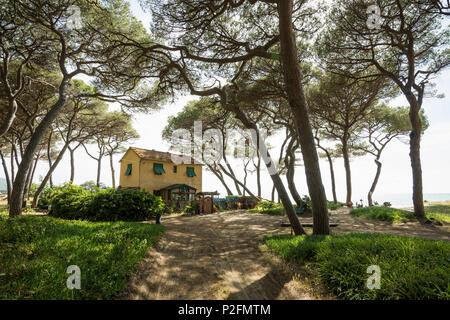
(129, 170)
(190, 172)
(158, 168)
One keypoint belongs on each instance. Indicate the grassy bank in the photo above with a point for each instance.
(439, 213)
(384, 214)
(277, 209)
(411, 268)
(36, 251)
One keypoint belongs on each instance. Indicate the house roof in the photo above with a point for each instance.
(178, 186)
(155, 155)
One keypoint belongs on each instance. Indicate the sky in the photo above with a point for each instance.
(395, 177)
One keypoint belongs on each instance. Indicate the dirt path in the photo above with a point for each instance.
(214, 257)
(218, 257)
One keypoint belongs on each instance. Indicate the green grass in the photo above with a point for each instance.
(36, 251)
(269, 208)
(411, 268)
(270, 212)
(334, 206)
(436, 212)
(275, 209)
(384, 214)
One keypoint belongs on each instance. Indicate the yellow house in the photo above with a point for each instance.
(156, 173)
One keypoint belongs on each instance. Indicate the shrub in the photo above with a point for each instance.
(270, 208)
(46, 197)
(411, 268)
(192, 208)
(124, 205)
(220, 206)
(76, 203)
(307, 203)
(263, 205)
(70, 202)
(334, 206)
(384, 214)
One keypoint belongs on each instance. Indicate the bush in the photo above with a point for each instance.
(264, 205)
(192, 208)
(124, 205)
(270, 208)
(334, 206)
(307, 203)
(36, 251)
(384, 214)
(411, 268)
(46, 197)
(76, 203)
(70, 202)
(220, 206)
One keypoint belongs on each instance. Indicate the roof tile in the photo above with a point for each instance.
(154, 155)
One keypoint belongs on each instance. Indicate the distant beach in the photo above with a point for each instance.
(405, 200)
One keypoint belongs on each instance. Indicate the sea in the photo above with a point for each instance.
(404, 200)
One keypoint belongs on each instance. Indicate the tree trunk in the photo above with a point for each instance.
(8, 181)
(49, 156)
(111, 162)
(13, 174)
(375, 182)
(48, 175)
(258, 175)
(30, 183)
(278, 183)
(333, 179)
(236, 181)
(232, 175)
(16, 157)
(6, 124)
(290, 161)
(221, 179)
(245, 180)
(348, 173)
(273, 194)
(297, 102)
(72, 165)
(15, 207)
(99, 169)
(27, 189)
(416, 134)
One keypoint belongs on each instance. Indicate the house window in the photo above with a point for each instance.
(129, 169)
(190, 172)
(158, 168)
(174, 169)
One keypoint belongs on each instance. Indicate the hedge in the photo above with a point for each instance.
(75, 203)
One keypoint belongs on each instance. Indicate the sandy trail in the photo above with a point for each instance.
(214, 257)
(218, 257)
